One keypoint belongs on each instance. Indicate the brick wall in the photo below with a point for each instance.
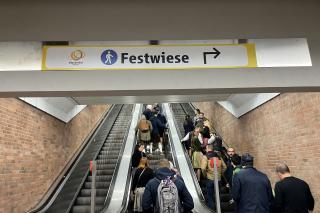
(34, 148)
(285, 129)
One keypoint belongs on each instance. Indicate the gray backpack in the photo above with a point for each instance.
(168, 197)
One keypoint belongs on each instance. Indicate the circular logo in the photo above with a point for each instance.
(109, 57)
(77, 55)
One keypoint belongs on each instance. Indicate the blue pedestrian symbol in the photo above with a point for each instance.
(109, 57)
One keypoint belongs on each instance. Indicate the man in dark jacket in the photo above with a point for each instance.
(251, 189)
(155, 134)
(151, 191)
(291, 193)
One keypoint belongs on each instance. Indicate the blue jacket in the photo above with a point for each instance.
(156, 125)
(151, 191)
(252, 191)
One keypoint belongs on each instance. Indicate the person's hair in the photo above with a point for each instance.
(210, 147)
(282, 168)
(143, 163)
(198, 111)
(164, 163)
(138, 146)
(247, 160)
(187, 117)
(231, 148)
(236, 160)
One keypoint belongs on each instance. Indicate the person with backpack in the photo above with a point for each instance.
(140, 179)
(207, 167)
(144, 129)
(165, 193)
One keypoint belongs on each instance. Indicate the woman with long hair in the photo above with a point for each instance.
(140, 180)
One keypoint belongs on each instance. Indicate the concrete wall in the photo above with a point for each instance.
(34, 148)
(285, 129)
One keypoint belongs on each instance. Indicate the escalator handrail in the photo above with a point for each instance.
(61, 179)
(195, 180)
(87, 172)
(177, 143)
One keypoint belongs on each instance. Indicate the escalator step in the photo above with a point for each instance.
(99, 192)
(107, 166)
(101, 157)
(114, 148)
(99, 185)
(101, 178)
(105, 172)
(85, 209)
(225, 197)
(107, 161)
(87, 200)
(225, 206)
(110, 152)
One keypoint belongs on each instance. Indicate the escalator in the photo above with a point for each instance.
(180, 111)
(105, 146)
(106, 164)
(172, 151)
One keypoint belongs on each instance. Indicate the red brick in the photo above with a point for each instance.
(285, 129)
(34, 148)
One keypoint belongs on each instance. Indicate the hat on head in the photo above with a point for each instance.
(246, 158)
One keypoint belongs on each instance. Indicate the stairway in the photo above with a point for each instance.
(106, 163)
(179, 112)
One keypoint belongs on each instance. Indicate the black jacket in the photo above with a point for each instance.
(293, 195)
(148, 113)
(151, 191)
(147, 175)
(252, 191)
(188, 126)
(156, 125)
(136, 157)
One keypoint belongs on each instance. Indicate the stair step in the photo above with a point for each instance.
(100, 178)
(87, 200)
(99, 192)
(99, 185)
(85, 209)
